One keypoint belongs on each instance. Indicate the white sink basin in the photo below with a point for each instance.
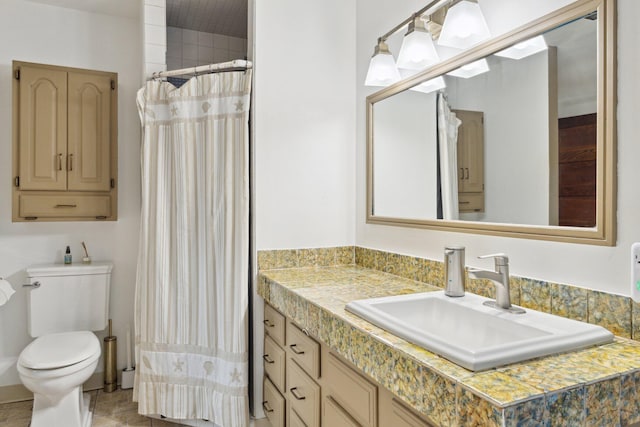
(475, 336)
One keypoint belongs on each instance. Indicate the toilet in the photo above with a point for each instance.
(65, 303)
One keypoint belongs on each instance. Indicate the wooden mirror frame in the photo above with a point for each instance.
(604, 232)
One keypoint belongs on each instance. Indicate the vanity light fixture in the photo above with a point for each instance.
(382, 67)
(417, 51)
(470, 70)
(430, 85)
(464, 26)
(524, 49)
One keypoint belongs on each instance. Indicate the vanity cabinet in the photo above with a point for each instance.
(274, 361)
(470, 154)
(65, 143)
(321, 388)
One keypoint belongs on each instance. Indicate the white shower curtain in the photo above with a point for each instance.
(448, 125)
(192, 278)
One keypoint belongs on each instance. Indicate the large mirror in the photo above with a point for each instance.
(515, 137)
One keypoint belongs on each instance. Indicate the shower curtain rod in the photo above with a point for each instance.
(235, 65)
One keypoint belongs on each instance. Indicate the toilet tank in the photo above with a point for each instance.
(70, 298)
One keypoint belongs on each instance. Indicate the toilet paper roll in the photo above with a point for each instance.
(5, 291)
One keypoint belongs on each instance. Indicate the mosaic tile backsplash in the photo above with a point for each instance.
(619, 314)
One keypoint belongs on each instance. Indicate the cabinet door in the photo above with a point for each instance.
(43, 129)
(303, 395)
(334, 416)
(403, 417)
(89, 147)
(274, 362)
(273, 404)
(470, 151)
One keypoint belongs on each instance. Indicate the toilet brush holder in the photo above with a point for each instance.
(110, 362)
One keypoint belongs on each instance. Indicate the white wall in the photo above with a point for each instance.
(153, 30)
(47, 34)
(303, 131)
(404, 161)
(304, 123)
(602, 268)
(514, 97)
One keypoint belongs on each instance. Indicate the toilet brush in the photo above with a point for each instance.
(110, 356)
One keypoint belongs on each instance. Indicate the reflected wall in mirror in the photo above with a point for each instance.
(519, 142)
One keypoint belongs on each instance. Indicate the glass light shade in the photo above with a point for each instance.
(524, 49)
(382, 68)
(470, 70)
(417, 51)
(430, 85)
(464, 26)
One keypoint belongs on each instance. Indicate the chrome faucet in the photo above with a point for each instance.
(454, 271)
(500, 279)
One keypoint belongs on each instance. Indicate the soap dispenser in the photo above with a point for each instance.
(454, 277)
(67, 256)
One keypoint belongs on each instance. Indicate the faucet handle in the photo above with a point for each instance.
(501, 259)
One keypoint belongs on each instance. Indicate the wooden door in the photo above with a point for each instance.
(577, 170)
(88, 164)
(43, 128)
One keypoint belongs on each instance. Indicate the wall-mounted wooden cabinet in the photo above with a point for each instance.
(65, 143)
(470, 161)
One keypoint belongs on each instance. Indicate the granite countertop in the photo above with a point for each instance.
(595, 386)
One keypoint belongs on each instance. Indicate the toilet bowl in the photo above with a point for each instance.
(65, 304)
(54, 367)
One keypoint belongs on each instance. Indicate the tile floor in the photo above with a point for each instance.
(109, 410)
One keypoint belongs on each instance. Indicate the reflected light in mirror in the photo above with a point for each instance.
(464, 26)
(382, 67)
(470, 70)
(524, 49)
(430, 85)
(417, 51)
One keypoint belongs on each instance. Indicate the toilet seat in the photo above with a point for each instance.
(57, 351)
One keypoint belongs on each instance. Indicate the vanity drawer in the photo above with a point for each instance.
(273, 404)
(471, 202)
(294, 419)
(352, 391)
(274, 361)
(274, 324)
(81, 206)
(304, 350)
(303, 395)
(403, 417)
(334, 416)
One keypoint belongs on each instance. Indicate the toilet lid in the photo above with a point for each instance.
(59, 350)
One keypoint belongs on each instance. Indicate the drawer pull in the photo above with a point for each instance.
(60, 161)
(266, 407)
(268, 323)
(268, 359)
(70, 162)
(294, 392)
(66, 206)
(295, 349)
